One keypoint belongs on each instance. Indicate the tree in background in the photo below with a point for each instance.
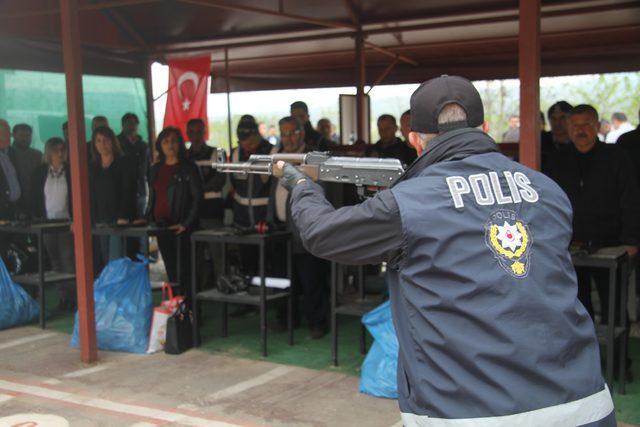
(607, 92)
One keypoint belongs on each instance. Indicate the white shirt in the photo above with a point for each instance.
(56, 195)
(614, 134)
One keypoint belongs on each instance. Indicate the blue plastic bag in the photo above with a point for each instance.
(380, 368)
(17, 306)
(123, 307)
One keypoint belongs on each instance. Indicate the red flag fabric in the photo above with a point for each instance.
(187, 95)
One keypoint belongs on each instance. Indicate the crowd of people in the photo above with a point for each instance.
(609, 130)
(135, 183)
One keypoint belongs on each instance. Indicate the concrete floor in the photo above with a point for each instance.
(41, 376)
(43, 383)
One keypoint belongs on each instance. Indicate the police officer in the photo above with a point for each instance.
(482, 286)
(251, 193)
(212, 209)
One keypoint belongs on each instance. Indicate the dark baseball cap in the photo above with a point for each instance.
(433, 95)
(247, 126)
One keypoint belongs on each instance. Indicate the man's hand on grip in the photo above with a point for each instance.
(289, 175)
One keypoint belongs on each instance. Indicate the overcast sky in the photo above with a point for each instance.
(394, 98)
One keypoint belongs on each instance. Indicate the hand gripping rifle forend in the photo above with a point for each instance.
(319, 166)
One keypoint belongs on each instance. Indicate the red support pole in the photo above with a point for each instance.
(79, 179)
(361, 78)
(529, 71)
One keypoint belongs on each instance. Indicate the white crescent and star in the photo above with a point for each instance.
(189, 75)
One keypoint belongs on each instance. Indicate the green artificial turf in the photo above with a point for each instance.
(628, 406)
(244, 342)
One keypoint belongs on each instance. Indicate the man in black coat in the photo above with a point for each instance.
(309, 272)
(601, 184)
(212, 208)
(10, 190)
(27, 160)
(558, 136)
(630, 142)
(313, 139)
(212, 204)
(137, 152)
(389, 146)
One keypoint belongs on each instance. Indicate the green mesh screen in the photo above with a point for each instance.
(39, 99)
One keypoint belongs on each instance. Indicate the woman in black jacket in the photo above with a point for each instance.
(175, 196)
(51, 201)
(113, 198)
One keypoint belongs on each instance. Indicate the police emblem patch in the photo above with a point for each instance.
(510, 241)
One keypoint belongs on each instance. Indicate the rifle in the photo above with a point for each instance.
(363, 172)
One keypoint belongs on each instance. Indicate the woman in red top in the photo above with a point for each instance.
(175, 195)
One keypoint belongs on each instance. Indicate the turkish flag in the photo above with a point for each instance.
(187, 94)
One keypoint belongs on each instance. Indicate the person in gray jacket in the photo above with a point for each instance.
(483, 291)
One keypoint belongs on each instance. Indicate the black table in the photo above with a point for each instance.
(41, 278)
(146, 231)
(125, 232)
(225, 236)
(355, 308)
(612, 259)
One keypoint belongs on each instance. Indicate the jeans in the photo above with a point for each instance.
(105, 249)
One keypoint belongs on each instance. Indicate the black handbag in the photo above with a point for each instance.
(179, 331)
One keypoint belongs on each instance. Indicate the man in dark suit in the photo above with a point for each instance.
(10, 191)
(313, 139)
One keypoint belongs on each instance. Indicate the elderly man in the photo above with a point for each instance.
(27, 160)
(313, 139)
(558, 136)
(10, 191)
(326, 129)
(475, 245)
(602, 187)
(310, 272)
(389, 145)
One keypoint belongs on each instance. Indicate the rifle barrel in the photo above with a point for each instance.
(245, 168)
